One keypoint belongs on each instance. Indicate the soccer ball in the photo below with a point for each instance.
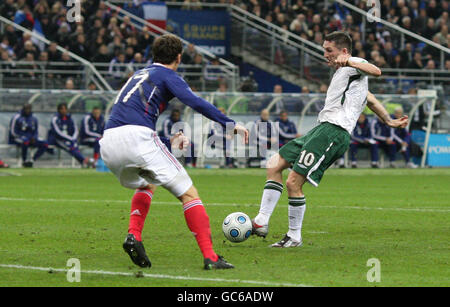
(237, 227)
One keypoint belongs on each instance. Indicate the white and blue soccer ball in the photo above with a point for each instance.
(237, 227)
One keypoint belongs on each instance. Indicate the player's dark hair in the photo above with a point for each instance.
(61, 105)
(166, 49)
(341, 39)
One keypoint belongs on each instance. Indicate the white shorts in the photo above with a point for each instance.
(137, 157)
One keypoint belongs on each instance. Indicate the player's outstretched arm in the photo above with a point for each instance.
(367, 68)
(179, 140)
(182, 91)
(345, 60)
(238, 129)
(377, 107)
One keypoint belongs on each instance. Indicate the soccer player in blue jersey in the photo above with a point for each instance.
(64, 134)
(133, 151)
(23, 132)
(402, 139)
(91, 131)
(167, 133)
(384, 136)
(286, 128)
(362, 137)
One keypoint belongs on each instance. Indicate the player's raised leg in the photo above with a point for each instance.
(273, 189)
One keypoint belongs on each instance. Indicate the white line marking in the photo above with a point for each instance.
(159, 276)
(437, 209)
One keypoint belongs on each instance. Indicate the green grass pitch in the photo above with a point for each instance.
(400, 217)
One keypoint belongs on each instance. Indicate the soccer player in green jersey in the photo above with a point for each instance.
(310, 155)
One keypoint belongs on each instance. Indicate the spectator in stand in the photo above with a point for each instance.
(6, 46)
(30, 66)
(102, 56)
(44, 65)
(433, 10)
(323, 89)
(62, 35)
(431, 65)
(8, 9)
(66, 63)
(53, 53)
(195, 72)
(144, 42)
(23, 132)
(69, 85)
(267, 7)
(189, 54)
(80, 48)
(213, 71)
(389, 53)
(416, 63)
(116, 47)
(118, 69)
(8, 64)
(279, 105)
(299, 25)
(430, 29)
(442, 35)
(91, 131)
(136, 63)
(362, 138)
(29, 47)
(63, 133)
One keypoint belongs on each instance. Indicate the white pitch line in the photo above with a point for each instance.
(437, 210)
(158, 276)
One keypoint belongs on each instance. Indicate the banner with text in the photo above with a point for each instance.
(209, 29)
(439, 150)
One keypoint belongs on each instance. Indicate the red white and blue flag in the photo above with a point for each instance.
(155, 13)
(37, 29)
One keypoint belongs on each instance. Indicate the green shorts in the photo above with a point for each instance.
(311, 154)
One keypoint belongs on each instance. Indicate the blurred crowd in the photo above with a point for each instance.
(311, 20)
(99, 37)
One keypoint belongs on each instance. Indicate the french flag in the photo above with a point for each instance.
(37, 29)
(20, 17)
(155, 13)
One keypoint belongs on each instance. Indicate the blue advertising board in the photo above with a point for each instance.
(209, 29)
(439, 150)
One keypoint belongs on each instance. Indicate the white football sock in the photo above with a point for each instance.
(297, 208)
(271, 195)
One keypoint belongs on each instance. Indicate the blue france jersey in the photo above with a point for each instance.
(147, 94)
